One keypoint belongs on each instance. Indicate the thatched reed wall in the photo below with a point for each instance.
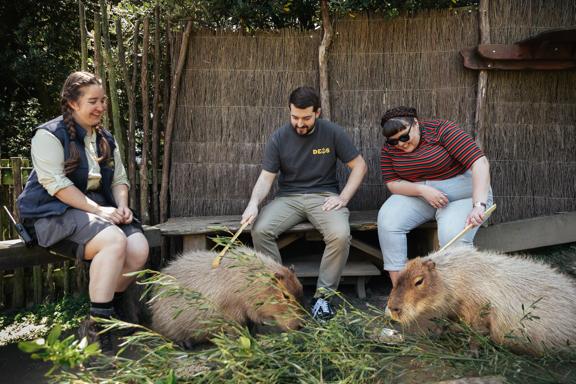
(235, 89)
(530, 117)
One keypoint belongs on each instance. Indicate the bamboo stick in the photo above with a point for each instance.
(217, 259)
(130, 93)
(170, 123)
(468, 227)
(98, 61)
(116, 126)
(144, 214)
(83, 45)
(323, 60)
(18, 292)
(156, 116)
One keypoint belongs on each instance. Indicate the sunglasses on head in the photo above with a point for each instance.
(404, 138)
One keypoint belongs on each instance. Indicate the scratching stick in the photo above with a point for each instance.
(468, 227)
(217, 259)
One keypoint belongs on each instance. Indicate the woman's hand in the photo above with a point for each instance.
(126, 214)
(476, 216)
(110, 213)
(434, 197)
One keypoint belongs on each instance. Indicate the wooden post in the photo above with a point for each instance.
(130, 93)
(479, 127)
(323, 60)
(50, 285)
(116, 127)
(170, 123)
(98, 64)
(156, 116)
(83, 45)
(66, 277)
(18, 293)
(144, 214)
(37, 284)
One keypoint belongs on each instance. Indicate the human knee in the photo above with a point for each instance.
(339, 236)
(262, 232)
(138, 251)
(115, 241)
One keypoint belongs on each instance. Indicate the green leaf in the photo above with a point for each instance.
(54, 334)
(245, 342)
(30, 346)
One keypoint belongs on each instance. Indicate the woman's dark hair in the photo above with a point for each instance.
(304, 97)
(71, 91)
(397, 119)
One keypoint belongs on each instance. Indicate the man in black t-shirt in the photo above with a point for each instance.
(304, 153)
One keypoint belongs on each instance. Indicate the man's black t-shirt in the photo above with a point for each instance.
(308, 163)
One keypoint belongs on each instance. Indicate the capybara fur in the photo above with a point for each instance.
(521, 303)
(247, 287)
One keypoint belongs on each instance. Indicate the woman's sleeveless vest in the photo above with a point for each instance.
(35, 202)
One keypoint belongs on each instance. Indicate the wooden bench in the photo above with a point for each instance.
(14, 254)
(196, 230)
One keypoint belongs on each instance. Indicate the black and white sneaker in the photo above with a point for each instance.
(322, 310)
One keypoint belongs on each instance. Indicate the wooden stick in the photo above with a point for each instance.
(217, 259)
(468, 227)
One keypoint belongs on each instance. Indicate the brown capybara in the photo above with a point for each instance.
(521, 303)
(247, 287)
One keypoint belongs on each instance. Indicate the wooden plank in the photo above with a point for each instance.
(178, 226)
(472, 60)
(288, 239)
(374, 253)
(529, 233)
(544, 51)
(194, 242)
(305, 268)
(14, 254)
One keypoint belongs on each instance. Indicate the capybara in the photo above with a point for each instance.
(247, 287)
(521, 303)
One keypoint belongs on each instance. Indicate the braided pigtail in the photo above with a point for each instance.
(104, 146)
(73, 160)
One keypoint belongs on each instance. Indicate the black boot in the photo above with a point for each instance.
(93, 332)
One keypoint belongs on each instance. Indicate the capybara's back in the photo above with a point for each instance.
(522, 303)
(247, 286)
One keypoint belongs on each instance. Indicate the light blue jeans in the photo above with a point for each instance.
(400, 214)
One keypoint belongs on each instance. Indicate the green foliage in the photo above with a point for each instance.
(68, 352)
(39, 45)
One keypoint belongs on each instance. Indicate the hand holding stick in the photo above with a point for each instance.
(487, 214)
(217, 259)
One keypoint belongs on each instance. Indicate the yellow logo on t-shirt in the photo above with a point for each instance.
(321, 151)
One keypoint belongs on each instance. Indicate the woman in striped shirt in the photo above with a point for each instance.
(434, 170)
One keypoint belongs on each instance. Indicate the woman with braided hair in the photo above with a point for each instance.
(76, 199)
(434, 170)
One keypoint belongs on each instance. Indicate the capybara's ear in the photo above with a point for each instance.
(430, 265)
(279, 276)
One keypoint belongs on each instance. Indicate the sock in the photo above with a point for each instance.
(117, 300)
(104, 310)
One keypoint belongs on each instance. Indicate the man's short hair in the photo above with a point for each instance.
(305, 97)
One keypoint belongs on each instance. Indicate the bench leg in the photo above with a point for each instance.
(361, 287)
(194, 243)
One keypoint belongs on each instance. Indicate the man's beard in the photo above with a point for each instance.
(300, 131)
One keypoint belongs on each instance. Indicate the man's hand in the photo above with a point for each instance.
(126, 214)
(109, 213)
(334, 202)
(476, 216)
(249, 214)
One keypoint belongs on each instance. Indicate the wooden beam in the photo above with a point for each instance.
(478, 131)
(374, 253)
(529, 233)
(288, 239)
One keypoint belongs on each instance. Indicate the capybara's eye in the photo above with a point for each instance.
(419, 281)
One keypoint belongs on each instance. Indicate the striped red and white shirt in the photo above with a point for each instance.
(444, 151)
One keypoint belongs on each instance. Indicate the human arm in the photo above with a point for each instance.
(358, 171)
(259, 192)
(73, 197)
(120, 188)
(480, 187)
(434, 197)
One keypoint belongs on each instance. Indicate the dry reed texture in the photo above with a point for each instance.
(236, 86)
